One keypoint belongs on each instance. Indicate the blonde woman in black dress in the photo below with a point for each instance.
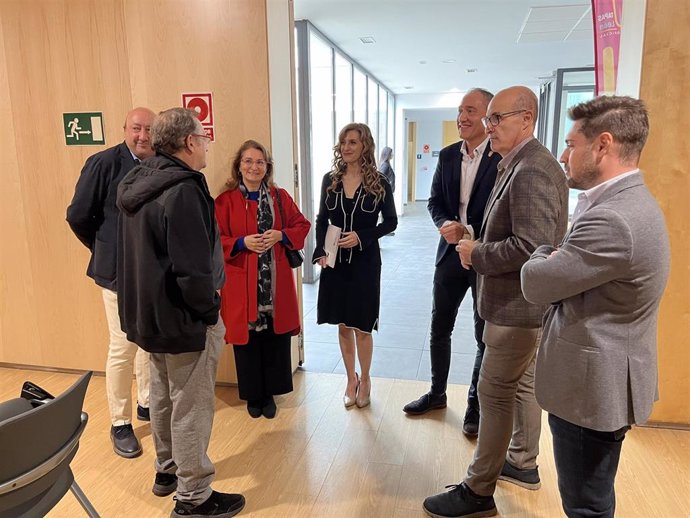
(353, 194)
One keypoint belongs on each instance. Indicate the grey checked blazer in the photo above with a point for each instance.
(597, 364)
(527, 208)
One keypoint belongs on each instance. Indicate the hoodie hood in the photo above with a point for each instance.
(148, 180)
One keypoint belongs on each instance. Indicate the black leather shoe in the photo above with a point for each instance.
(425, 403)
(527, 478)
(220, 505)
(143, 413)
(269, 408)
(125, 443)
(458, 502)
(470, 425)
(164, 484)
(254, 407)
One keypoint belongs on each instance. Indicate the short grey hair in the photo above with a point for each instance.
(484, 93)
(171, 128)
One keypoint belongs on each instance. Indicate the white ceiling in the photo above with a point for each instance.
(508, 42)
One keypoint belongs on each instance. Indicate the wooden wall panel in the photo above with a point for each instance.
(109, 56)
(666, 162)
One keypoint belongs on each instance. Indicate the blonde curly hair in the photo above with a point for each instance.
(371, 178)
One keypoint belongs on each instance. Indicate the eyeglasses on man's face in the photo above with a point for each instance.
(495, 118)
(248, 162)
(201, 135)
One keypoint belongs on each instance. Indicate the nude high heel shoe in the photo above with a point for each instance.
(349, 401)
(363, 399)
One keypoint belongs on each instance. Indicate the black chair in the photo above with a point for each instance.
(38, 440)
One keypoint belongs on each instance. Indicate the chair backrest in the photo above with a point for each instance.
(36, 448)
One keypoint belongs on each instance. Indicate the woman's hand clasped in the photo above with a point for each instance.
(348, 240)
(260, 243)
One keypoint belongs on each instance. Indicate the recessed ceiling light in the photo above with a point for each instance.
(448, 61)
(367, 40)
(408, 87)
(470, 70)
(422, 62)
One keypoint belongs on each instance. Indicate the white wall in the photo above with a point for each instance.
(430, 132)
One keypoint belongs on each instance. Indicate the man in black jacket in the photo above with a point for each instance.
(464, 177)
(92, 215)
(170, 265)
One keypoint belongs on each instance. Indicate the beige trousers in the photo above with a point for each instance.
(510, 418)
(124, 359)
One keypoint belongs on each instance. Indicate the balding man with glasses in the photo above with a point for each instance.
(527, 208)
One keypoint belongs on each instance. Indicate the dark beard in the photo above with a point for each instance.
(587, 179)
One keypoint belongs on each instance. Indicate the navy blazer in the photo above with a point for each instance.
(92, 214)
(444, 201)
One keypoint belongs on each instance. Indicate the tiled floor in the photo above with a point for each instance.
(401, 346)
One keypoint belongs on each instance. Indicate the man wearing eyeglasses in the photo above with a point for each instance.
(528, 207)
(170, 265)
(92, 216)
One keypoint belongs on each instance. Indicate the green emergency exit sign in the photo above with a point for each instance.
(83, 129)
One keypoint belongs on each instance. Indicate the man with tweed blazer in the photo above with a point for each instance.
(527, 208)
(596, 369)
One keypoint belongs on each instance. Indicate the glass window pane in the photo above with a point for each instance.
(383, 122)
(391, 120)
(360, 96)
(373, 111)
(321, 87)
(343, 92)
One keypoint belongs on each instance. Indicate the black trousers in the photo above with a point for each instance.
(586, 464)
(264, 366)
(451, 282)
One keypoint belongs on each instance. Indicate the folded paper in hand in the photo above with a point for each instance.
(331, 244)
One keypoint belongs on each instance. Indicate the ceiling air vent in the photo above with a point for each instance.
(367, 40)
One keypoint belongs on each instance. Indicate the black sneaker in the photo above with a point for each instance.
(425, 403)
(527, 478)
(470, 425)
(125, 443)
(254, 407)
(220, 505)
(269, 408)
(460, 501)
(143, 413)
(165, 484)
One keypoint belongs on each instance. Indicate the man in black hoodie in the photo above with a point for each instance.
(170, 268)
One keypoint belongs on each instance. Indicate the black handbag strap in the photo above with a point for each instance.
(280, 209)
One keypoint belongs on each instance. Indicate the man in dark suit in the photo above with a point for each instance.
(464, 177)
(528, 207)
(92, 215)
(596, 371)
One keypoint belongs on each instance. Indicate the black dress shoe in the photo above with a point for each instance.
(425, 403)
(470, 425)
(125, 443)
(143, 413)
(254, 407)
(165, 484)
(269, 408)
(220, 505)
(458, 502)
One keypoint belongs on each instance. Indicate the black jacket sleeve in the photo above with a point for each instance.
(190, 250)
(389, 220)
(321, 221)
(437, 204)
(85, 213)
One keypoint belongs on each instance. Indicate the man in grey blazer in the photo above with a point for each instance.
(596, 370)
(527, 208)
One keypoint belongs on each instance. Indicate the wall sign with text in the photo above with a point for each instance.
(202, 104)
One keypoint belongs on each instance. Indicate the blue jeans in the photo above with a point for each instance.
(586, 463)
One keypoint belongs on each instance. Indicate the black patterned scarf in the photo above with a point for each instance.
(264, 219)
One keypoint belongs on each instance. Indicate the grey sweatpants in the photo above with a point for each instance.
(182, 406)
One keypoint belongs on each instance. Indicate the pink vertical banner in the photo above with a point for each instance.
(606, 15)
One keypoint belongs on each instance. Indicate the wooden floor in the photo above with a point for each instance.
(317, 459)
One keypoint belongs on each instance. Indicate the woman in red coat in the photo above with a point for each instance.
(258, 221)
